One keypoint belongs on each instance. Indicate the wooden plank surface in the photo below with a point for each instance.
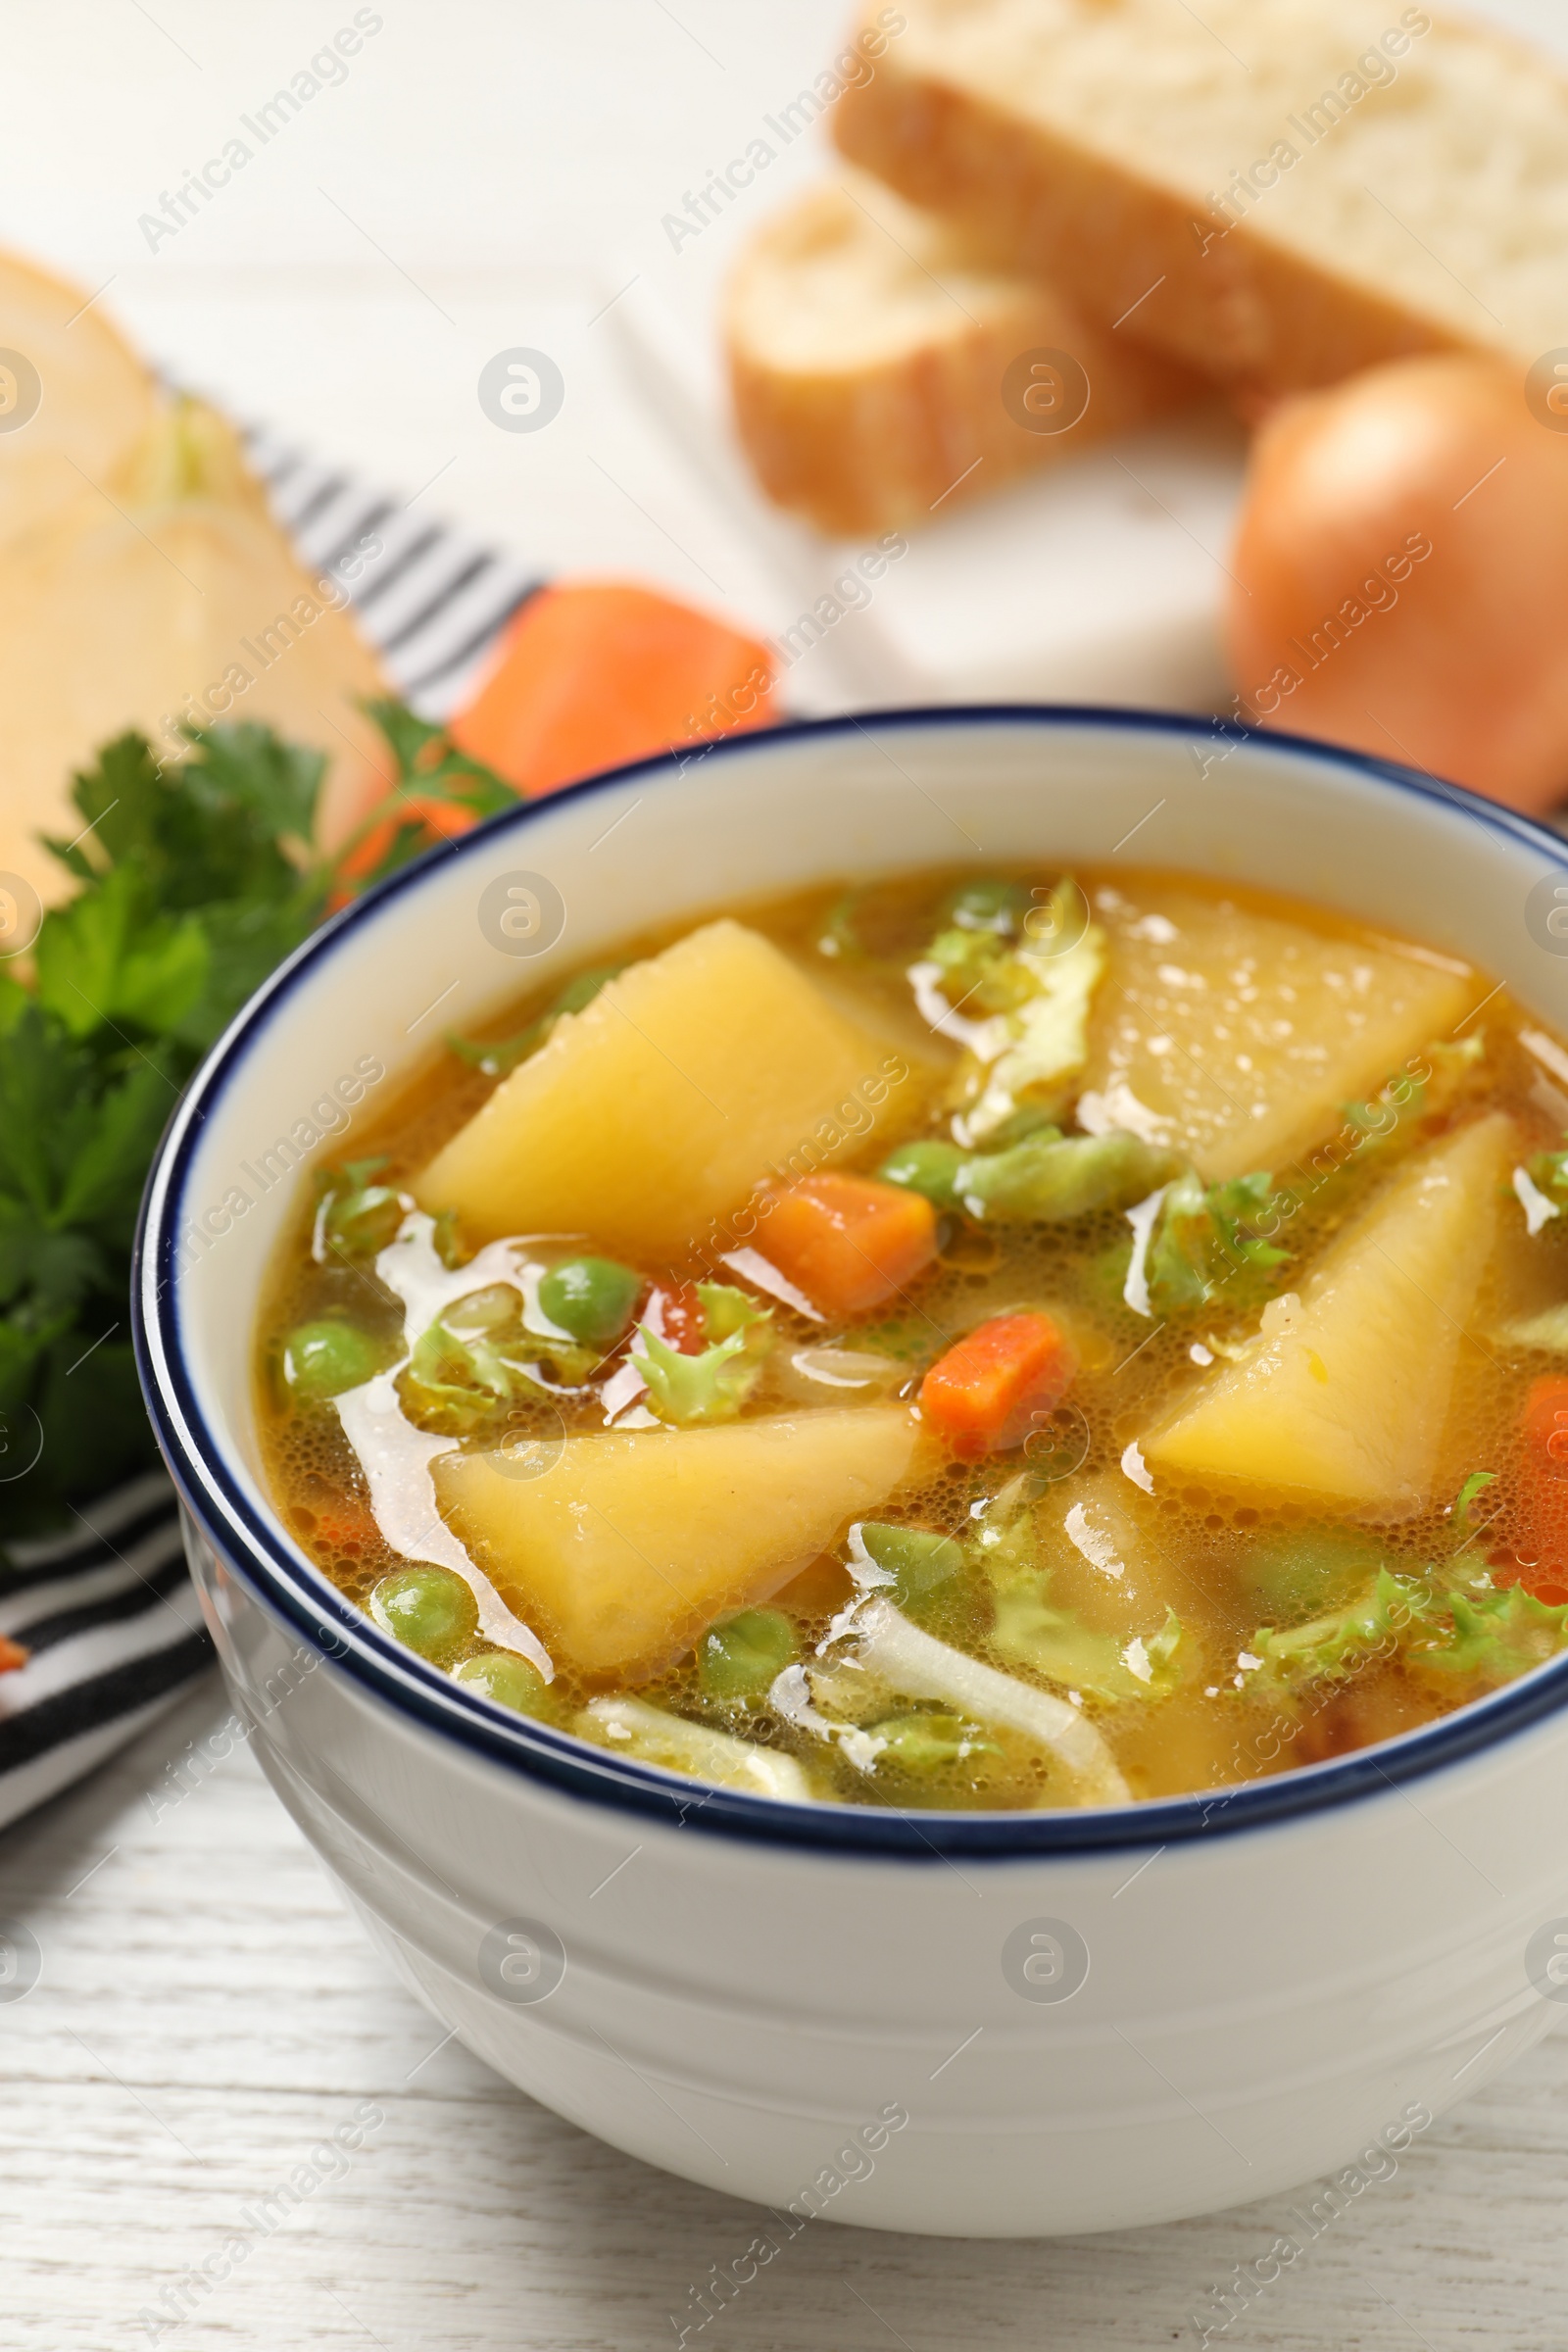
(207, 2015)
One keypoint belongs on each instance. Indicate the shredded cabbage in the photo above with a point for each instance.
(1207, 1234)
(714, 1386)
(1342, 1639)
(1057, 1645)
(655, 1737)
(1495, 1636)
(1489, 1634)
(1033, 1038)
(1050, 1178)
(477, 1357)
(918, 1666)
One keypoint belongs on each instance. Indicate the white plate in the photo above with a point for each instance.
(1097, 581)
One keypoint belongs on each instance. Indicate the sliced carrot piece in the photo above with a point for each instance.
(849, 1242)
(599, 672)
(998, 1383)
(678, 1316)
(445, 819)
(12, 1655)
(441, 820)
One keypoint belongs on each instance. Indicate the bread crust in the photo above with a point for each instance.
(860, 448)
(1246, 311)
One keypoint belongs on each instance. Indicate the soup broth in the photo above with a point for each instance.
(988, 1340)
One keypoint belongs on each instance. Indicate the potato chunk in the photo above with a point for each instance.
(636, 1539)
(1244, 1034)
(1346, 1396)
(687, 1080)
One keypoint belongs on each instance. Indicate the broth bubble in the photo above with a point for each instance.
(1058, 1444)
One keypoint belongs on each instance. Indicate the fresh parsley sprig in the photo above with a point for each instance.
(193, 882)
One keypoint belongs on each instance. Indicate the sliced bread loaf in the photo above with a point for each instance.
(75, 399)
(1277, 191)
(869, 355)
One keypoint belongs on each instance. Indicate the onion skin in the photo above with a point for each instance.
(1454, 659)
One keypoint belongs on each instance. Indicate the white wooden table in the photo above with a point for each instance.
(488, 174)
(207, 2015)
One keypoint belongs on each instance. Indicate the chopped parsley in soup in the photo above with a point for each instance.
(985, 1341)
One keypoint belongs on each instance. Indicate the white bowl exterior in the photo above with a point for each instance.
(1260, 2003)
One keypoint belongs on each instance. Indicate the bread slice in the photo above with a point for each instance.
(75, 399)
(1277, 191)
(867, 352)
(175, 599)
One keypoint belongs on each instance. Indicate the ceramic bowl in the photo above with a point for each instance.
(965, 2024)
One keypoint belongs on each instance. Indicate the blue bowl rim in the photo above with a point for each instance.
(299, 1594)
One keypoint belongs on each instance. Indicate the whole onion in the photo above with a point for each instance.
(1401, 573)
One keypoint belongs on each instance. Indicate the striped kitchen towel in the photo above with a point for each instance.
(111, 1619)
(432, 602)
(106, 1608)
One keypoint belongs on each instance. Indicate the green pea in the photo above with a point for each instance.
(925, 1565)
(427, 1609)
(323, 1359)
(742, 1656)
(930, 1167)
(508, 1679)
(989, 906)
(592, 1298)
(928, 1742)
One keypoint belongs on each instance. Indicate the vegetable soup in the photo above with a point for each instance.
(982, 1340)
